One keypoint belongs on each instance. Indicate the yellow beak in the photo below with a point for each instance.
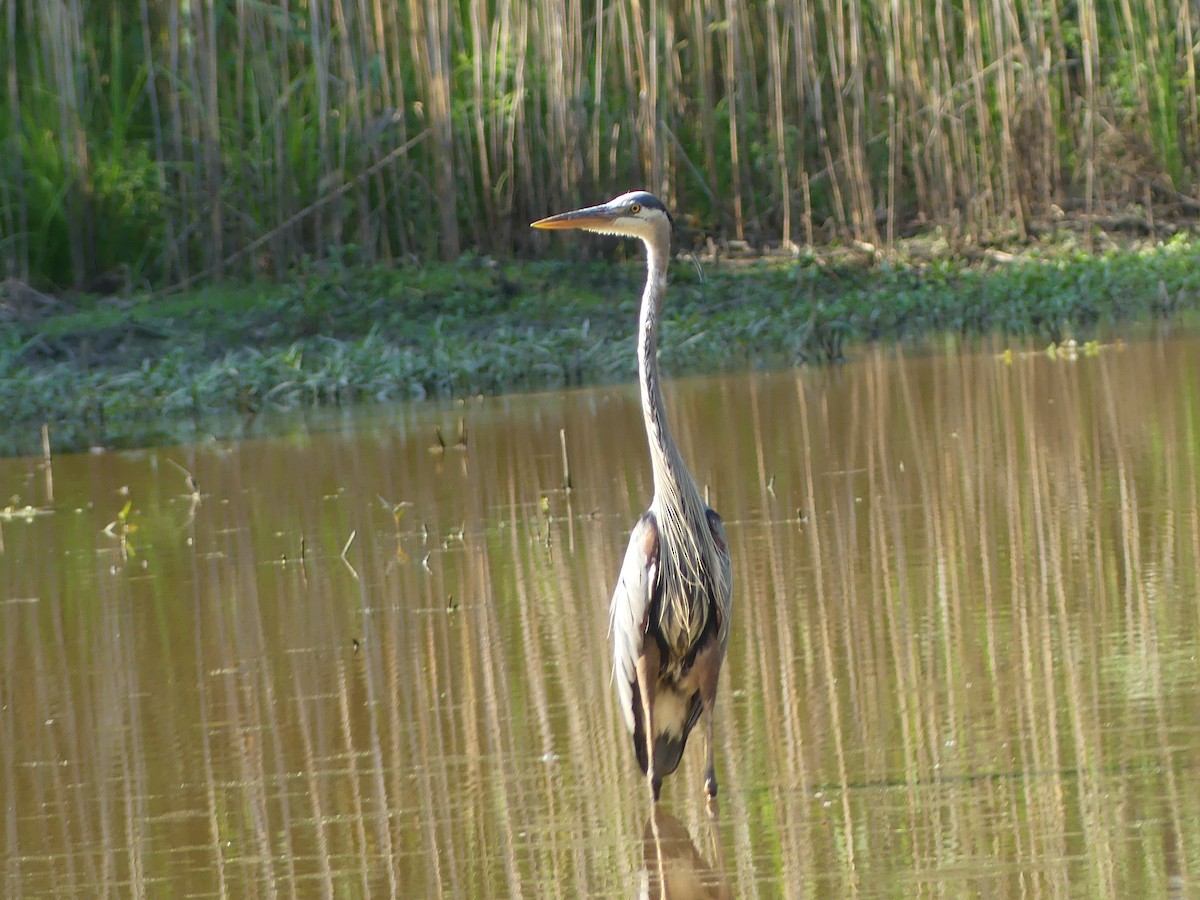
(588, 217)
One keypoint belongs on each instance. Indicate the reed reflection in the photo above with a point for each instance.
(964, 658)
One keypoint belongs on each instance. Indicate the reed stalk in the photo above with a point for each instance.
(167, 137)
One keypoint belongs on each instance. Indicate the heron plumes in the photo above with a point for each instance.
(688, 557)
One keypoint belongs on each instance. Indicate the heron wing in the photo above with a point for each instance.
(723, 582)
(628, 614)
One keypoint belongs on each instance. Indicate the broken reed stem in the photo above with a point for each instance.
(47, 464)
(562, 439)
(304, 213)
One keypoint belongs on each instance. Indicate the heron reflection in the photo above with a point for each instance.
(674, 867)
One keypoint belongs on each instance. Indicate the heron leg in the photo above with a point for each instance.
(709, 663)
(647, 676)
(710, 772)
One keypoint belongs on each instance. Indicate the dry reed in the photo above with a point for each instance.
(168, 138)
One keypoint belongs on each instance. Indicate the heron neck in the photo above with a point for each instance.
(671, 477)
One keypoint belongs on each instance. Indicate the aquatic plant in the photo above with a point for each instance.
(105, 372)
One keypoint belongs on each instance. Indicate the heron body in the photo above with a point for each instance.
(669, 618)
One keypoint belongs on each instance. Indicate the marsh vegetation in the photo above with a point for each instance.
(158, 143)
(106, 371)
(222, 207)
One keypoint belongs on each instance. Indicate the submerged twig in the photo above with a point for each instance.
(346, 547)
(304, 559)
(192, 484)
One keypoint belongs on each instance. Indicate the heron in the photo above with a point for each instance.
(669, 616)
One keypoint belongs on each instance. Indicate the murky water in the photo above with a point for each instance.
(964, 655)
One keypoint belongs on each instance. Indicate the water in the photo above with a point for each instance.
(963, 661)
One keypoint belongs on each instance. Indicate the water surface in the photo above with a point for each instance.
(355, 662)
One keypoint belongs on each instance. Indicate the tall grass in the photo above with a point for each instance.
(171, 137)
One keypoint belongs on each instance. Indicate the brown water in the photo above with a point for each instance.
(964, 653)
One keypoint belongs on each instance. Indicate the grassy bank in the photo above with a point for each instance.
(120, 370)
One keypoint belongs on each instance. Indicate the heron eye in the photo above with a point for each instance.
(635, 208)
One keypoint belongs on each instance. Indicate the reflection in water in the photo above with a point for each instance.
(964, 658)
(675, 869)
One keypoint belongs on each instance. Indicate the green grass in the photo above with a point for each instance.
(137, 370)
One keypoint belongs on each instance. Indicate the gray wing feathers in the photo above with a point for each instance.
(724, 580)
(627, 614)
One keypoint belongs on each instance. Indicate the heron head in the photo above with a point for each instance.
(636, 214)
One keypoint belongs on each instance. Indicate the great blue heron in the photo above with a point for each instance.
(669, 619)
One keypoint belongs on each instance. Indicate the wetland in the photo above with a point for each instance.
(363, 652)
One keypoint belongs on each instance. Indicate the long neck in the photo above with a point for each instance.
(688, 557)
(671, 477)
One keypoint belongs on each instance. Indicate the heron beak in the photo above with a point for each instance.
(588, 217)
